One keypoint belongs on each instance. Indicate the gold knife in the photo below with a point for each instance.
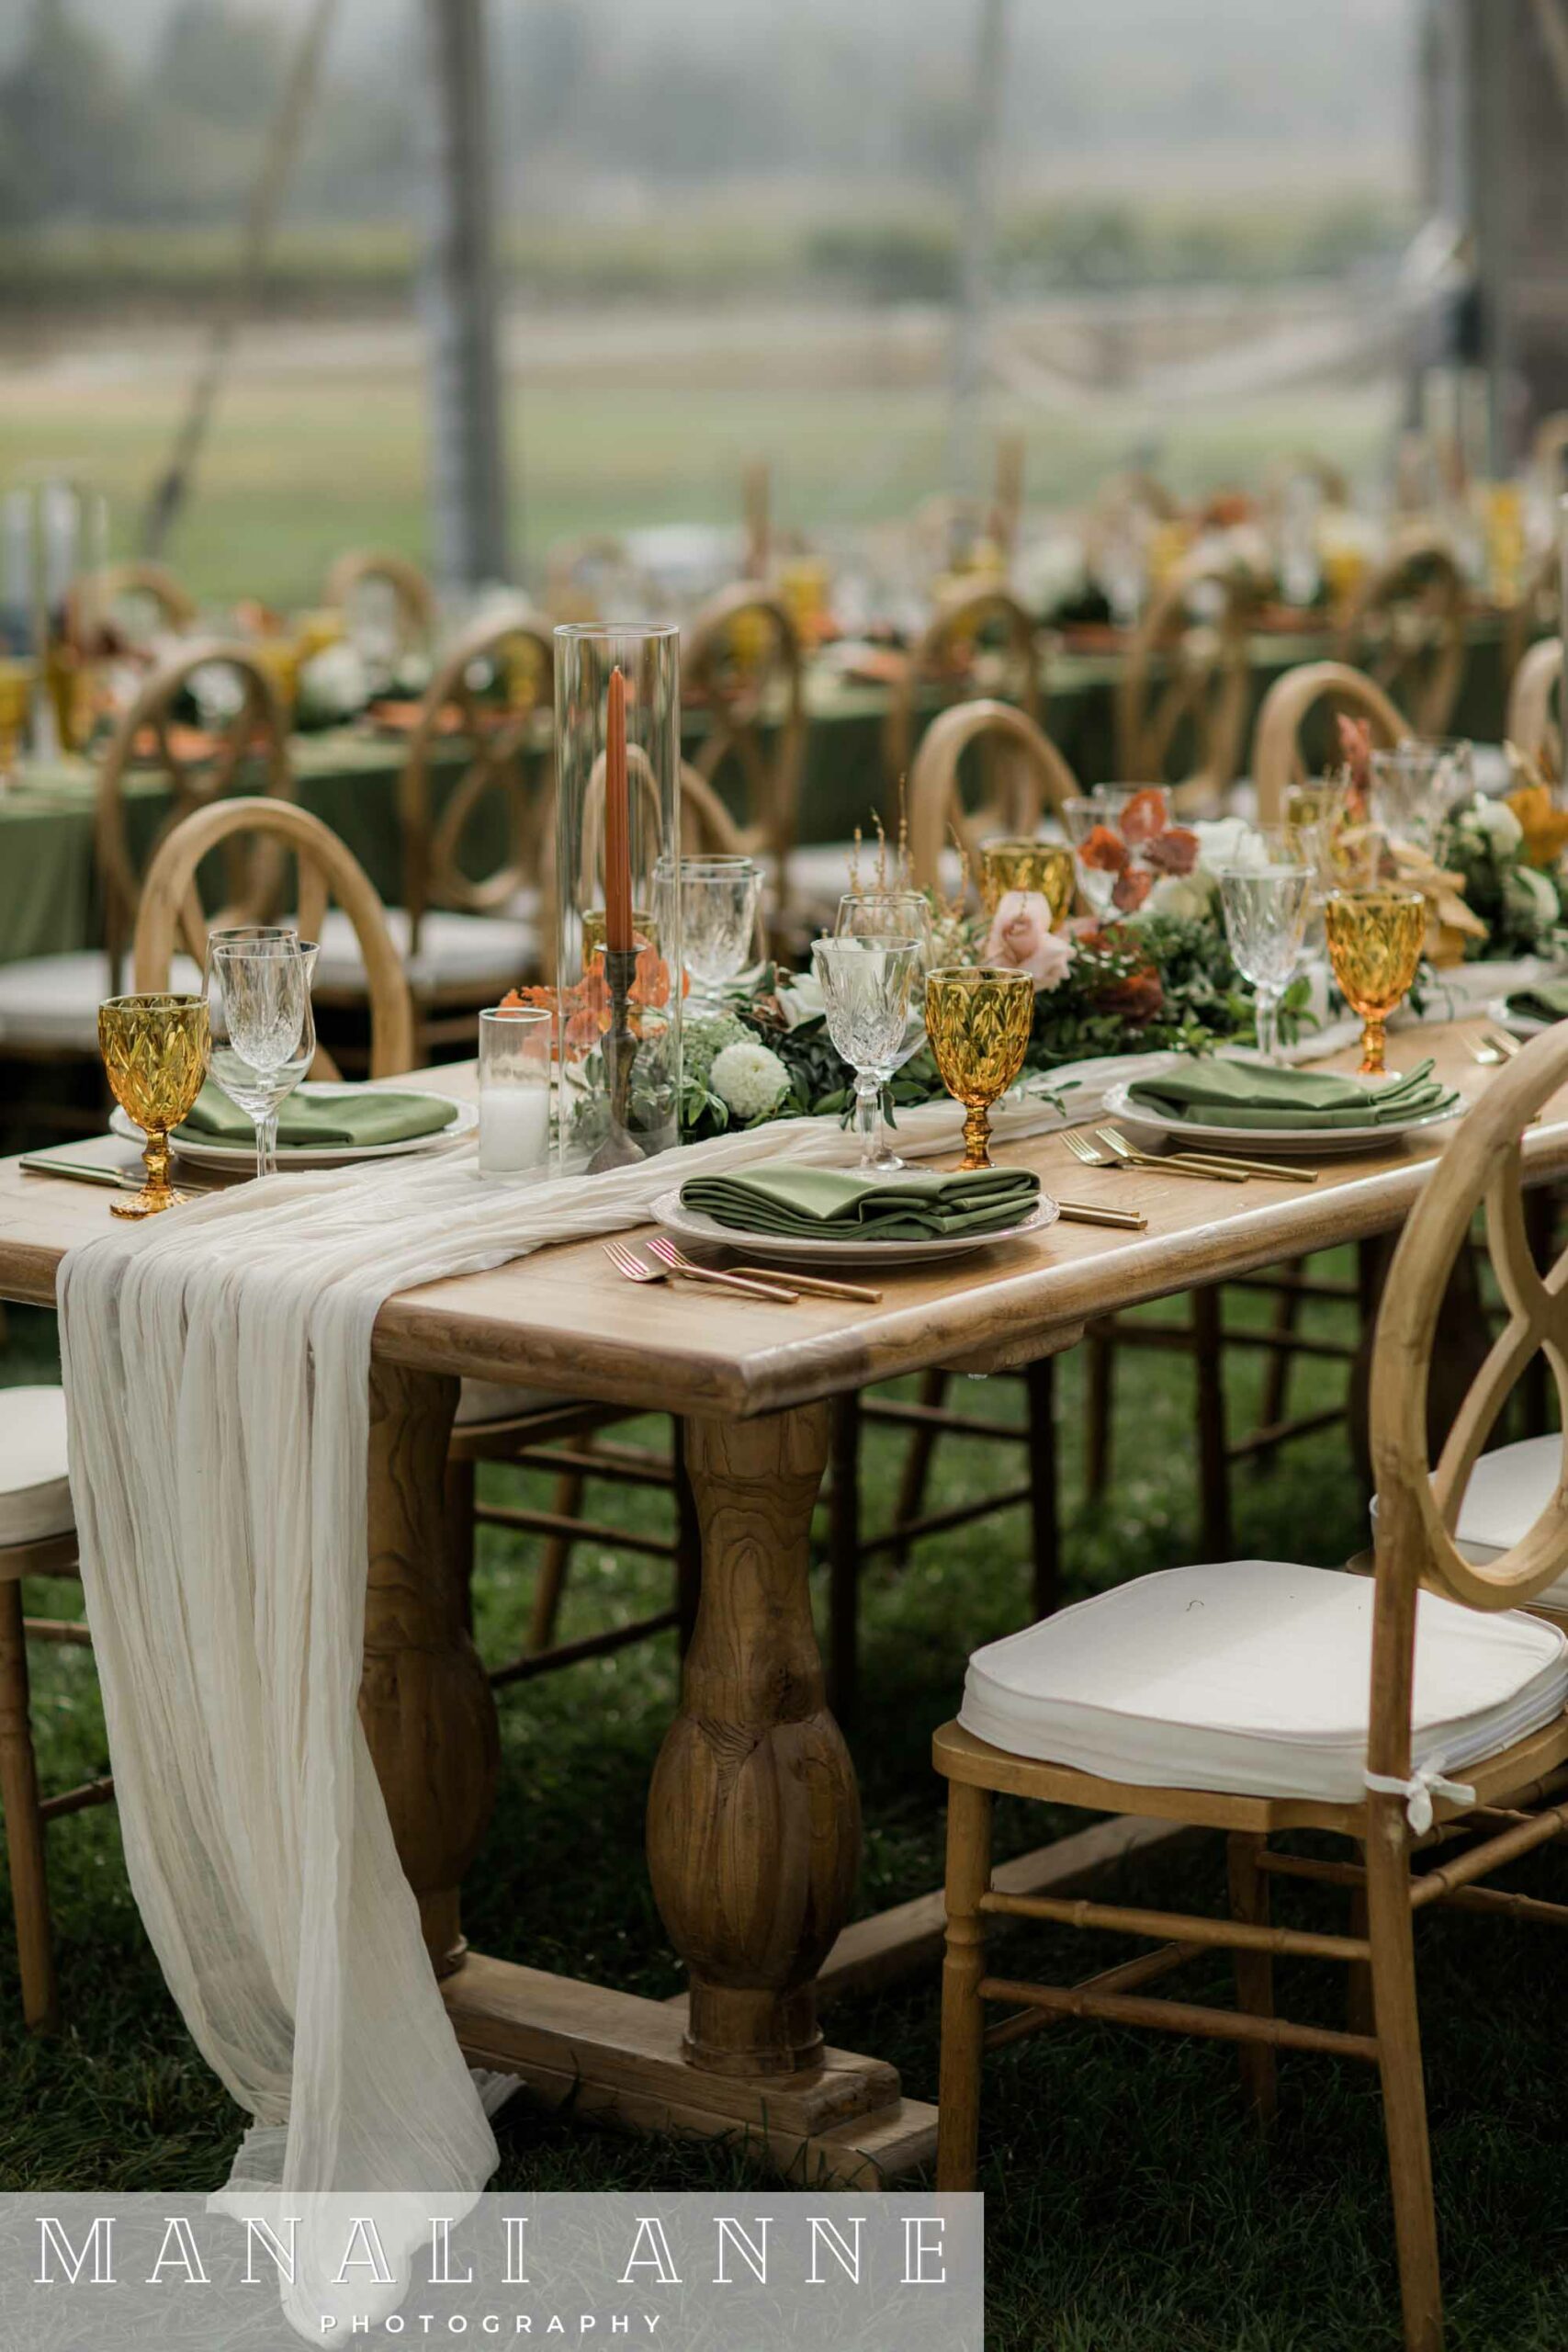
(1087, 1213)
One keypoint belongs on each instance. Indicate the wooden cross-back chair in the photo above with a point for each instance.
(521, 1428)
(1313, 693)
(950, 656)
(1539, 610)
(1502, 1785)
(1182, 699)
(1548, 450)
(465, 940)
(1405, 628)
(1028, 776)
(363, 576)
(138, 600)
(48, 1004)
(743, 657)
(171, 912)
(1533, 722)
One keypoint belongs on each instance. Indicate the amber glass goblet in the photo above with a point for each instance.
(1374, 946)
(156, 1051)
(1046, 867)
(978, 1020)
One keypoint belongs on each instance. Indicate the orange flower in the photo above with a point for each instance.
(1104, 851)
(1545, 827)
(1144, 817)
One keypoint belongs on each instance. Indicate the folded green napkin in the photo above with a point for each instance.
(1250, 1094)
(832, 1203)
(366, 1115)
(1547, 1000)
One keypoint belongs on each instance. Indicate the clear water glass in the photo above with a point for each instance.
(893, 914)
(1096, 883)
(1417, 788)
(867, 986)
(719, 897)
(1266, 897)
(264, 1031)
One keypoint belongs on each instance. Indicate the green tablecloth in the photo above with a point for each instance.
(47, 899)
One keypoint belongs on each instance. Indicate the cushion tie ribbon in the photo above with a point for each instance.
(1425, 1782)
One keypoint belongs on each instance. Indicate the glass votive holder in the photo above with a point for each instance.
(514, 1089)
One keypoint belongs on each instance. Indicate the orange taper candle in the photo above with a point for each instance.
(617, 822)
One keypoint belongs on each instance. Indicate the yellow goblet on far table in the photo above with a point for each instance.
(156, 1051)
(978, 1019)
(1045, 867)
(1374, 947)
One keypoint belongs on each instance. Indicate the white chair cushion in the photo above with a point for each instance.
(35, 1494)
(481, 953)
(48, 1000)
(1252, 1677)
(494, 1400)
(1508, 1490)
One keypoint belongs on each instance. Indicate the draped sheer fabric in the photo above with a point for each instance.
(215, 1366)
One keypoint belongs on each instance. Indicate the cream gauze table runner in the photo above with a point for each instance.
(217, 1367)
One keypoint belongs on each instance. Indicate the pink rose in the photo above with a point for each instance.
(1021, 940)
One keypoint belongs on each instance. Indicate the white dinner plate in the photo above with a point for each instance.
(464, 1120)
(1518, 1024)
(691, 1225)
(1149, 1127)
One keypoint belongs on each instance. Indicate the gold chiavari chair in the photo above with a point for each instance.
(1301, 701)
(1405, 628)
(743, 662)
(48, 1004)
(385, 594)
(1423, 1712)
(1185, 686)
(975, 630)
(466, 939)
(1533, 722)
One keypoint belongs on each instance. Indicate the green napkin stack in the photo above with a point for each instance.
(1251, 1095)
(358, 1116)
(1548, 1001)
(835, 1203)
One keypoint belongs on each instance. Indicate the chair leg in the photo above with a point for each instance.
(1040, 1391)
(1254, 1972)
(24, 1823)
(843, 1558)
(566, 1502)
(688, 1542)
(1213, 1467)
(1281, 1361)
(1100, 1410)
(962, 2011)
(1403, 2091)
(918, 1463)
(1359, 2016)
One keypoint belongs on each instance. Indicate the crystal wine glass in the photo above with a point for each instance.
(1417, 786)
(719, 919)
(893, 914)
(1096, 883)
(1267, 897)
(263, 1032)
(866, 988)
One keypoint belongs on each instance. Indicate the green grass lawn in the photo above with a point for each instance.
(1128, 2209)
(302, 466)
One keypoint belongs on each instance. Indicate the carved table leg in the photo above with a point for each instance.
(753, 1825)
(424, 1699)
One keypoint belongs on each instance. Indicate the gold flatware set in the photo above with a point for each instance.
(1111, 1148)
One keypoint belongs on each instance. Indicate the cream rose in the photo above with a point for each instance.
(1020, 939)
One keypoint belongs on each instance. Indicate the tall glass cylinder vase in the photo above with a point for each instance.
(617, 894)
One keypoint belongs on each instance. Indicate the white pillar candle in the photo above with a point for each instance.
(514, 1128)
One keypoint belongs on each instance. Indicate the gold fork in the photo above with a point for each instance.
(1081, 1149)
(637, 1270)
(765, 1285)
(1131, 1156)
(1503, 1045)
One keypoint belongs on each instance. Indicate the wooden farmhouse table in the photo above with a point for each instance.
(753, 1823)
